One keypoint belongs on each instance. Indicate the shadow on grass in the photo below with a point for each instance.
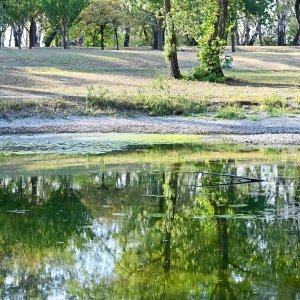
(232, 80)
(133, 63)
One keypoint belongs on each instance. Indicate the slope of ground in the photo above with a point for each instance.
(63, 79)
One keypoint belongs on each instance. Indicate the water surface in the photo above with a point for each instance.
(158, 222)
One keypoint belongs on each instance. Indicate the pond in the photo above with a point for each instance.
(157, 218)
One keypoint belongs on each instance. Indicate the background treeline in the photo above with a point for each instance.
(100, 23)
(162, 24)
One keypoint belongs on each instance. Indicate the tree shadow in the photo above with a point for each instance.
(231, 81)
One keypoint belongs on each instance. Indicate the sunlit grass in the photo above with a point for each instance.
(268, 77)
(56, 73)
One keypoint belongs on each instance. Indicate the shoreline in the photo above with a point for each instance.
(269, 131)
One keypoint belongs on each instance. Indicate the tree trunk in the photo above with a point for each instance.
(57, 42)
(94, 37)
(190, 41)
(127, 37)
(26, 39)
(281, 31)
(67, 37)
(155, 38)
(247, 32)
(19, 39)
(10, 37)
(32, 34)
(40, 32)
(233, 30)
(210, 57)
(145, 34)
(161, 34)
(81, 40)
(102, 27)
(116, 36)
(50, 38)
(19, 34)
(261, 42)
(255, 35)
(158, 33)
(16, 39)
(64, 39)
(296, 41)
(238, 42)
(171, 42)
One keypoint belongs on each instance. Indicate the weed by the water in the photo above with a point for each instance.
(12, 106)
(274, 105)
(161, 100)
(231, 112)
(254, 118)
(96, 97)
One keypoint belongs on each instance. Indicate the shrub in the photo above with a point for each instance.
(231, 112)
(159, 101)
(274, 105)
(199, 74)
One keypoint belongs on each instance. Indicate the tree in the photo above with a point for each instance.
(296, 41)
(259, 13)
(127, 37)
(117, 16)
(18, 12)
(282, 11)
(214, 38)
(63, 14)
(234, 11)
(34, 12)
(97, 16)
(3, 21)
(207, 22)
(154, 11)
(170, 48)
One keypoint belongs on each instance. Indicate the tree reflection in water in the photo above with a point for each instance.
(156, 233)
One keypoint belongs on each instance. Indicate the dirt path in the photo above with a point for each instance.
(283, 131)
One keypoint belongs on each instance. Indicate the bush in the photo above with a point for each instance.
(274, 105)
(97, 98)
(231, 112)
(199, 74)
(159, 101)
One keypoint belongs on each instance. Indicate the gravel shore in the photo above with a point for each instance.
(269, 131)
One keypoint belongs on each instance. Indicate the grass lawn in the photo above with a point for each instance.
(91, 79)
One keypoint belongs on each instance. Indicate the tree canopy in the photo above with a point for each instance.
(162, 24)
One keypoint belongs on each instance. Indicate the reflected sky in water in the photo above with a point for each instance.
(160, 231)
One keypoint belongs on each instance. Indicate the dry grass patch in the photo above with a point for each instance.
(56, 73)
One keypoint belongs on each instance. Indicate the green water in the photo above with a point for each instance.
(166, 228)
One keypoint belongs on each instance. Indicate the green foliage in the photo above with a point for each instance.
(18, 13)
(4, 18)
(198, 73)
(9, 106)
(260, 9)
(274, 105)
(63, 14)
(231, 112)
(97, 98)
(160, 101)
(169, 48)
(173, 244)
(206, 22)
